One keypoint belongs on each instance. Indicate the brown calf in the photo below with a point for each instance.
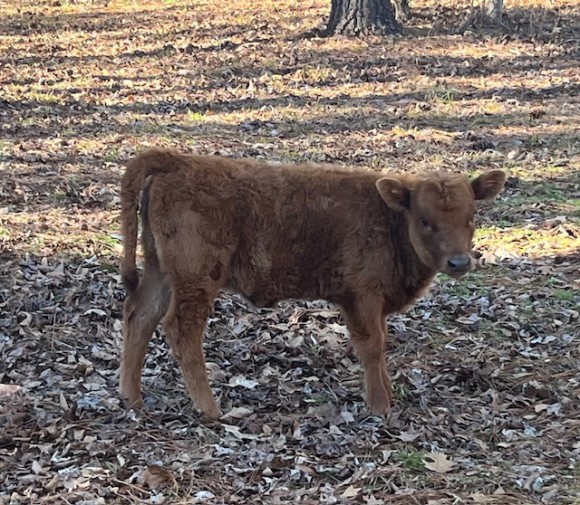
(367, 242)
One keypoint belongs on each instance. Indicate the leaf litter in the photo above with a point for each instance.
(485, 369)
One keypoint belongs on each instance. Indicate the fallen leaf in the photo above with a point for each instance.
(157, 477)
(351, 492)
(439, 463)
(239, 380)
(237, 413)
(481, 498)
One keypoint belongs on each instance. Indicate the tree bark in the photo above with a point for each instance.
(492, 11)
(402, 10)
(485, 14)
(362, 17)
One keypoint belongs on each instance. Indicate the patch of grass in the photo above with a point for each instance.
(30, 121)
(109, 241)
(89, 145)
(400, 131)
(291, 156)
(111, 156)
(58, 196)
(534, 140)
(529, 241)
(503, 224)
(547, 199)
(194, 116)
(481, 121)
(540, 193)
(440, 94)
(565, 295)
(401, 391)
(492, 107)
(109, 266)
(541, 177)
(44, 98)
(411, 459)
(148, 128)
(314, 73)
(318, 400)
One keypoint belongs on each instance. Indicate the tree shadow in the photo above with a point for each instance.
(42, 118)
(94, 21)
(530, 23)
(384, 68)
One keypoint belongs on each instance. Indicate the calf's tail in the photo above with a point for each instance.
(148, 163)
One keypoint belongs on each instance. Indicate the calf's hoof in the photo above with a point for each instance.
(209, 408)
(212, 414)
(132, 402)
(379, 402)
(380, 409)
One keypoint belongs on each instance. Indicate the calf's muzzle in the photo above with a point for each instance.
(459, 265)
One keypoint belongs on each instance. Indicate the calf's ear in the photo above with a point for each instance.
(395, 194)
(488, 185)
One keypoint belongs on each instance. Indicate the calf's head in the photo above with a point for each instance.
(440, 212)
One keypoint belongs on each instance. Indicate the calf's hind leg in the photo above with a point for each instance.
(141, 313)
(367, 327)
(191, 304)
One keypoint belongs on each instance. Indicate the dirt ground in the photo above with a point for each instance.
(485, 368)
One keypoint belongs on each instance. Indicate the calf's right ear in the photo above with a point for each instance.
(395, 194)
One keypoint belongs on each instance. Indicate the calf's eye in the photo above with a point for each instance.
(424, 223)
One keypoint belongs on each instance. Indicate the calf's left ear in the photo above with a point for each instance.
(488, 185)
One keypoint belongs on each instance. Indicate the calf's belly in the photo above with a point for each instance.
(267, 288)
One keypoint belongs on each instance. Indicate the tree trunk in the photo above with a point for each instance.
(492, 10)
(485, 14)
(362, 17)
(402, 10)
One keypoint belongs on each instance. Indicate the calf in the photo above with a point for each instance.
(368, 242)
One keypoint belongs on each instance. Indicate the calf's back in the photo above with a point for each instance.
(273, 232)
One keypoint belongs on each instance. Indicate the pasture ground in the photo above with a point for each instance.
(485, 369)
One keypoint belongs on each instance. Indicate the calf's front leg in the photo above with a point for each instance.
(367, 326)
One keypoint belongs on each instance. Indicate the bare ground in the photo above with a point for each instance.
(485, 369)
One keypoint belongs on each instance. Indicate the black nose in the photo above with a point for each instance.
(458, 262)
